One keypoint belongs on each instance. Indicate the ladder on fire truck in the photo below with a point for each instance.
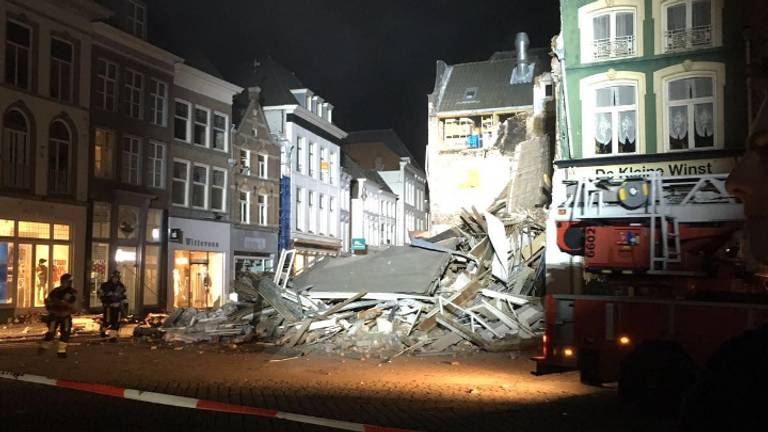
(663, 202)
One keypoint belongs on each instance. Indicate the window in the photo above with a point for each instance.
(18, 44)
(301, 155)
(690, 113)
(218, 189)
(332, 168)
(312, 212)
(59, 158)
(137, 19)
(615, 120)
(245, 162)
(245, 207)
(153, 233)
(199, 186)
(201, 127)
(155, 169)
(324, 165)
(129, 171)
(181, 123)
(219, 131)
(312, 149)
(104, 147)
(300, 213)
(134, 94)
(262, 206)
(158, 107)
(106, 85)
(323, 217)
(613, 34)
(332, 216)
(62, 60)
(262, 160)
(180, 179)
(17, 161)
(687, 24)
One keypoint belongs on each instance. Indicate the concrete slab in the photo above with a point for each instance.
(398, 269)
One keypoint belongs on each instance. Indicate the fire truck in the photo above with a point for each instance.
(665, 284)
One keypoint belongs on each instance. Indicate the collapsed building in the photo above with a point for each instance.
(481, 115)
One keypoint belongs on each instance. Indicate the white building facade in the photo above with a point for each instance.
(412, 209)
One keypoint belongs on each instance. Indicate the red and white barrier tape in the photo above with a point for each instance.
(187, 402)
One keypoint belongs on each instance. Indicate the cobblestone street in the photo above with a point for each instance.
(482, 392)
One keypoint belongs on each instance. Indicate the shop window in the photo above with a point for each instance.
(35, 230)
(25, 275)
(127, 222)
(154, 225)
(104, 148)
(7, 228)
(60, 265)
(6, 272)
(125, 262)
(151, 275)
(101, 220)
(18, 44)
(99, 269)
(691, 113)
(60, 232)
(42, 275)
(252, 264)
(59, 159)
(198, 279)
(16, 151)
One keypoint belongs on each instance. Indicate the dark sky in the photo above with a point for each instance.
(373, 60)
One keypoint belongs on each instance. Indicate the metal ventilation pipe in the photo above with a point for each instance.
(521, 46)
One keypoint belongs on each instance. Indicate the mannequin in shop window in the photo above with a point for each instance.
(42, 280)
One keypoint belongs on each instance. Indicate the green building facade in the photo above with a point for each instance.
(652, 84)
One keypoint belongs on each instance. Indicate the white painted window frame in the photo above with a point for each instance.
(262, 204)
(245, 207)
(186, 180)
(263, 165)
(224, 131)
(591, 10)
(134, 86)
(207, 124)
(205, 185)
(63, 63)
(159, 101)
(187, 120)
(223, 189)
(156, 163)
(129, 173)
(102, 92)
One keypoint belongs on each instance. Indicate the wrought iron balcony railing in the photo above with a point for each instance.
(617, 47)
(690, 38)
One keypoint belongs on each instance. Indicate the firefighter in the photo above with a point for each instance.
(60, 304)
(730, 393)
(112, 296)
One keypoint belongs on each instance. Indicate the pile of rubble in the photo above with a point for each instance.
(475, 286)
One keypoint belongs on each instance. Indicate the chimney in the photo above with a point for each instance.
(521, 46)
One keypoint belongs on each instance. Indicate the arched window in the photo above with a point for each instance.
(59, 158)
(16, 151)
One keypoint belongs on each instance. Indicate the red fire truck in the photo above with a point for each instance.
(664, 282)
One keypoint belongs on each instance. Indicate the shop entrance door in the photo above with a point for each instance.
(199, 286)
(125, 263)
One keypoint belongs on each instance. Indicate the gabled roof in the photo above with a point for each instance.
(275, 80)
(486, 85)
(357, 172)
(387, 137)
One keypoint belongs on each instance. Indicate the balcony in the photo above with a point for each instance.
(686, 39)
(611, 48)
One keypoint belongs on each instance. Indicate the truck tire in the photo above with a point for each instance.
(656, 375)
(731, 391)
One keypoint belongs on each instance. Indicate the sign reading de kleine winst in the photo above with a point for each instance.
(663, 168)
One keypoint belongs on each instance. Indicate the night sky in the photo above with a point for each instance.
(375, 61)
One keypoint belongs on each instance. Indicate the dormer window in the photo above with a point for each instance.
(137, 19)
(613, 34)
(470, 93)
(687, 25)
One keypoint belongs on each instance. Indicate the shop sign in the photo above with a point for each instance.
(358, 244)
(255, 243)
(189, 241)
(176, 235)
(669, 168)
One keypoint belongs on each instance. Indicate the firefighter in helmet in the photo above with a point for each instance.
(60, 304)
(112, 296)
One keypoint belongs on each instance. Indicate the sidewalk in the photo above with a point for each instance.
(483, 392)
(33, 329)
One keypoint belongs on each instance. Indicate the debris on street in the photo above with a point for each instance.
(475, 286)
